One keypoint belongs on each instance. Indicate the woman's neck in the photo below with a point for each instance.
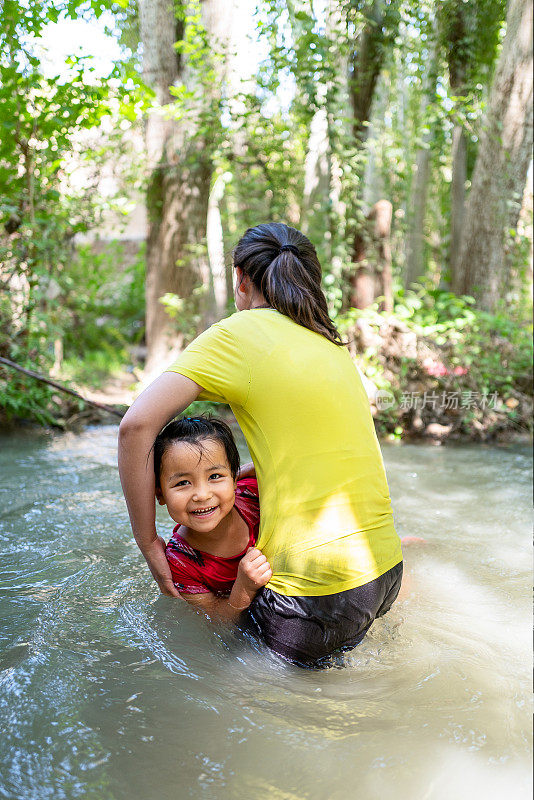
(257, 300)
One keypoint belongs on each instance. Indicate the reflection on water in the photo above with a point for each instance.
(108, 690)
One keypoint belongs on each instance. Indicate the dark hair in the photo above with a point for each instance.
(283, 265)
(194, 430)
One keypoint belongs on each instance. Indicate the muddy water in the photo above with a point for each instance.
(108, 690)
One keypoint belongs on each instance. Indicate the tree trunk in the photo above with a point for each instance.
(373, 183)
(314, 211)
(459, 177)
(501, 167)
(382, 214)
(316, 173)
(415, 237)
(461, 22)
(217, 279)
(366, 61)
(369, 281)
(180, 160)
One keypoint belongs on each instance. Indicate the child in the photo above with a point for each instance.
(212, 555)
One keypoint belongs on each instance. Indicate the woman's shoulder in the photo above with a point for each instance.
(237, 327)
(250, 318)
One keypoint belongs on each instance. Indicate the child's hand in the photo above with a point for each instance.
(254, 571)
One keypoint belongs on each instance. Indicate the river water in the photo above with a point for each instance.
(110, 691)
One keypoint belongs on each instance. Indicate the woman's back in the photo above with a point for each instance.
(326, 519)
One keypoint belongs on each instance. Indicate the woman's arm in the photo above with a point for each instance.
(248, 470)
(254, 572)
(213, 606)
(167, 396)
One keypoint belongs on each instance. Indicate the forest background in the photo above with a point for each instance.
(396, 135)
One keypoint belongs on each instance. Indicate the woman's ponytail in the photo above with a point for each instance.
(282, 264)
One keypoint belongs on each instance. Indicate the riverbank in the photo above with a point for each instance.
(437, 369)
(422, 408)
(468, 378)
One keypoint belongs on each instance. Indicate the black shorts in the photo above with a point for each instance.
(308, 630)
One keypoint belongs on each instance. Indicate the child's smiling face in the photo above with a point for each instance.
(196, 486)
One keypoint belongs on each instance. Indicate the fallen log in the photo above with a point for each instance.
(56, 385)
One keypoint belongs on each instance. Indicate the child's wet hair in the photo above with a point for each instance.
(194, 431)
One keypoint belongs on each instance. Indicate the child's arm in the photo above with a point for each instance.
(254, 572)
(247, 471)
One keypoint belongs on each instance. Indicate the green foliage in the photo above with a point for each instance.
(470, 34)
(185, 311)
(95, 367)
(260, 142)
(198, 104)
(23, 397)
(103, 305)
(46, 141)
(496, 349)
(267, 180)
(455, 348)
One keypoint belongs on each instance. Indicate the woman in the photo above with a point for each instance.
(326, 520)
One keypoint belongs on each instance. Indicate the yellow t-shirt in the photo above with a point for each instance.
(326, 520)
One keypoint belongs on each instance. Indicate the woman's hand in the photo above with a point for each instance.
(159, 567)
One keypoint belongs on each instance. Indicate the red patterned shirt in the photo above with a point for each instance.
(196, 572)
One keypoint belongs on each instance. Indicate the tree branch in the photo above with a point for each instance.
(61, 388)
